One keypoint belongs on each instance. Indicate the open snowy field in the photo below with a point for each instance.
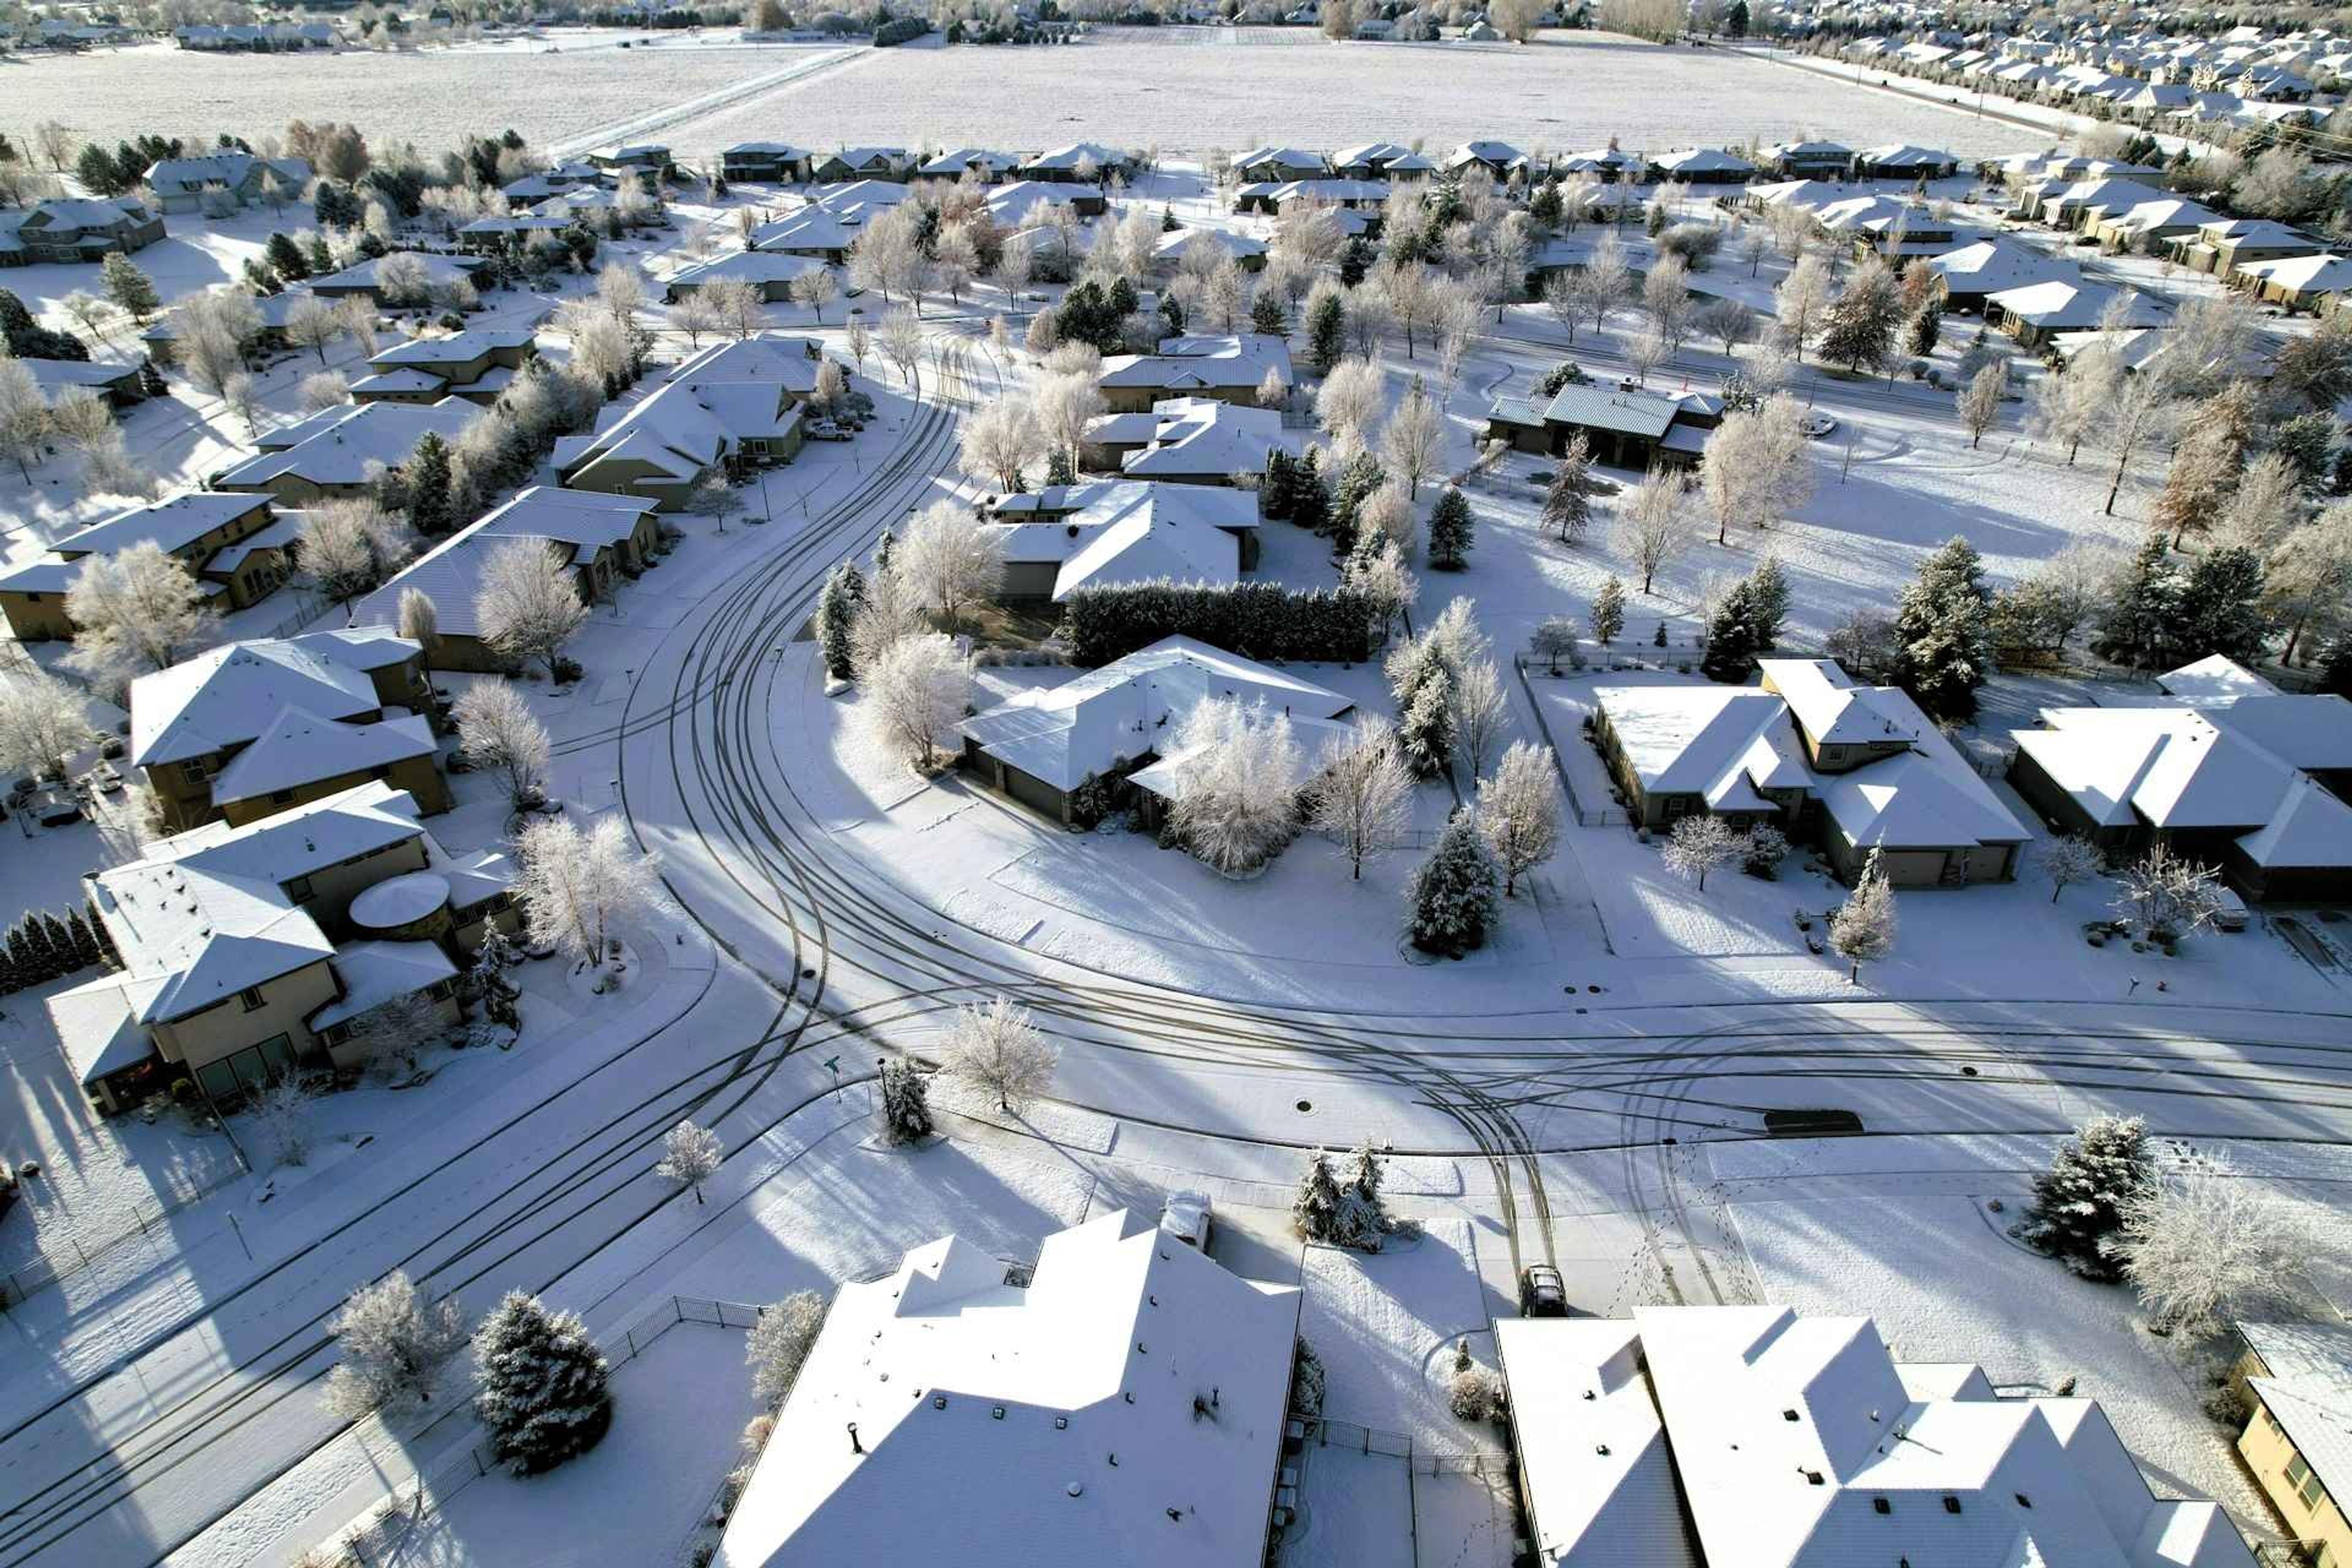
(1193, 87)
(431, 97)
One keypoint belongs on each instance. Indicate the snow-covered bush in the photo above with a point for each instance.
(1307, 1379)
(1476, 1394)
(779, 1343)
(1451, 901)
(906, 1103)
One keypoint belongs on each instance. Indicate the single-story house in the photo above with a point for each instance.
(220, 536)
(1247, 251)
(1183, 440)
(2313, 283)
(340, 458)
(771, 272)
(1025, 203)
(860, 164)
(1279, 165)
(1382, 161)
(812, 232)
(1902, 162)
(1498, 158)
(733, 406)
(118, 383)
(1080, 163)
(366, 278)
(1624, 427)
(2035, 312)
(978, 163)
(475, 364)
(1065, 537)
(1973, 273)
(1703, 166)
(1228, 367)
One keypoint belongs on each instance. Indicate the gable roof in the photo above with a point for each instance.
(1133, 532)
(349, 450)
(227, 695)
(300, 748)
(1195, 436)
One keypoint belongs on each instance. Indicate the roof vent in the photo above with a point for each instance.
(998, 1412)
(1061, 1423)
(2024, 1501)
(1812, 1478)
(1075, 1489)
(1788, 1416)
(938, 1401)
(1601, 1449)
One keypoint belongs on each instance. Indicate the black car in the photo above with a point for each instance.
(1542, 1293)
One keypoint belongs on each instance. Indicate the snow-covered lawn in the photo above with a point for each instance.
(1355, 1511)
(1385, 1324)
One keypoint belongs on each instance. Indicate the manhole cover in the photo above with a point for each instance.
(1306, 1105)
(809, 974)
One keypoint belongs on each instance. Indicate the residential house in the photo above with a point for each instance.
(1703, 166)
(273, 309)
(1974, 273)
(763, 163)
(975, 163)
(1279, 165)
(1903, 161)
(1126, 1406)
(1808, 160)
(1856, 769)
(343, 451)
(220, 537)
(2297, 1381)
(1248, 251)
(771, 272)
(2242, 777)
(1380, 161)
(230, 971)
(475, 364)
(1183, 440)
(1623, 424)
(1067, 537)
(1040, 744)
(2156, 223)
(226, 180)
(650, 159)
(2034, 313)
(1031, 203)
(256, 37)
(2223, 246)
(857, 202)
(2312, 283)
(1498, 158)
(1271, 197)
(812, 232)
(248, 729)
(120, 385)
(73, 229)
(1229, 368)
(432, 270)
(1897, 230)
(733, 406)
(1610, 162)
(1080, 163)
(1748, 1434)
(860, 164)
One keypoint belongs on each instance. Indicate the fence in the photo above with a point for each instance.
(375, 1541)
(313, 605)
(26, 1279)
(1327, 1433)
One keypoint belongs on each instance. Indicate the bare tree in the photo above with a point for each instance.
(1362, 798)
(1980, 400)
(1653, 522)
(1001, 440)
(418, 620)
(1237, 795)
(951, 558)
(136, 610)
(691, 1155)
(394, 1339)
(997, 1048)
(735, 307)
(1415, 440)
(1518, 811)
(2205, 1245)
(916, 691)
(312, 323)
(497, 733)
(1755, 466)
(2140, 409)
(1698, 845)
(1066, 403)
(282, 1111)
(526, 604)
(1863, 930)
(2067, 859)
(778, 1344)
(349, 546)
(694, 315)
(901, 342)
(576, 886)
(2172, 898)
(1481, 713)
(43, 723)
(1801, 300)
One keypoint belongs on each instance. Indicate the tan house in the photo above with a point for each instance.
(1229, 368)
(342, 453)
(734, 407)
(248, 730)
(475, 364)
(230, 973)
(232, 543)
(2297, 1381)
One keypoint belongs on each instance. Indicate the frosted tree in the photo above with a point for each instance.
(1237, 801)
(1607, 280)
(815, 288)
(1315, 1207)
(996, 1047)
(2067, 859)
(282, 1112)
(23, 416)
(906, 1101)
(891, 612)
(1609, 612)
(838, 603)
(1067, 402)
(778, 1344)
(1413, 440)
(1698, 845)
(1362, 798)
(1001, 440)
(1859, 329)
(915, 692)
(390, 1035)
(136, 610)
(43, 723)
(1568, 502)
(1351, 397)
(1653, 524)
(2078, 1202)
(492, 959)
(1801, 300)
(497, 734)
(1863, 930)
(542, 1391)
(1519, 812)
(1387, 515)
(576, 886)
(900, 338)
(1481, 712)
(350, 546)
(1755, 466)
(525, 604)
(321, 391)
(691, 1154)
(395, 1340)
(1451, 901)
(2170, 897)
(2065, 409)
(2205, 1245)
(1980, 401)
(951, 558)
(2140, 410)
(418, 619)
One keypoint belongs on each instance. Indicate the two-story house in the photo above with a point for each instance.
(234, 543)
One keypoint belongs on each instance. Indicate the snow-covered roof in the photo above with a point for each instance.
(1086, 725)
(810, 230)
(226, 696)
(2058, 304)
(300, 748)
(1993, 267)
(2302, 274)
(578, 523)
(760, 266)
(454, 348)
(1135, 532)
(375, 972)
(1704, 161)
(1195, 436)
(1596, 406)
(1835, 711)
(437, 271)
(1025, 202)
(2215, 677)
(1902, 155)
(765, 359)
(1124, 1410)
(1197, 363)
(950, 164)
(1173, 246)
(1724, 742)
(1284, 158)
(362, 820)
(199, 936)
(1598, 1478)
(349, 450)
(98, 1025)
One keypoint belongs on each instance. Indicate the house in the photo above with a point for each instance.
(763, 163)
(2223, 246)
(974, 162)
(2297, 1381)
(246, 729)
(1080, 163)
(1040, 744)
(220, 537)
(1380, 161)
(650, 159)
(1974, 273)
(1703, 166)
(1808, 160)
(1902, 162)
(1279, 165)
(78, 230)
(598, 539)
(2313, 283)
(2254, 358)
(1229, 368)
(429, 270)
(510, 231)
(265, 37)
(1856, 769)
(1067, 537)
(1183, 440)
(1498, 158)
(812, 232)
(273, 309)
(475, 364)
(1886, 227)
(1752, 1435)
(1624, 425)
(2250, 780)
(120, 385)
(1029, 204)
(1610, 162)
(2086, 199)
(343, 451)
(733, 406)
(859, 164)
(226, 180)
(2033, 313)
(1247, 251)
(859, 201)
(230, 969)
(2155, 222)
(1273, 195)
(1124, 1409)
(771, 272)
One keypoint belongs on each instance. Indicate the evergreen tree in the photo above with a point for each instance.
(1943, 632)
(1544, 207)
(1059, 470)
(542, 1393)
(57, 944)
(1924, 328)
(2221, 607)
(150, 380)
(96, 169)
(1449, 529)
(2309, 441)
(1568, 504)
(84, 939)
(429, 502)
(2335, 666)
(1768, 602)
(1424, 691)
(24, 956)
(131, 289)
(1314, 1209)
(906, 1103)
(1860, 328)
(1326, 330)
(1266, 316)
(1311, 508)
(285, 258)
(1277, 494)
(2143, 607)
(1355, 261)
(322, 258)
(1608, 612)
(1452, 897)
(1172, 312)
(1735, 21)
(492, 959)
(2078, 1202)
(1731, 636)
(837, 613)
(1358, 480)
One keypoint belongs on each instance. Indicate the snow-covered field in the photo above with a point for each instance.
(1196, 88)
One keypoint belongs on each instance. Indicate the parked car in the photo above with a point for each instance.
(1817, 425)
(1542, 1293)
(823, 430)
(2228, 911)
(1185, 1217)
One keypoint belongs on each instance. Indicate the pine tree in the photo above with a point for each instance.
(542, 1393)
(1568, 504)
(2221, 607)
(2143, 607)
(1731, 636)
(1266, 316)
(1278, 495)
(1310, 506)
(1608, 612)
(1315, 1210)
(906, 1103)
(2078, 1202)
(838, 606)
(1327, 330)
(1768, 602)
(492, 959)
(131, 289)
(1425, 710)
(429, 487)
(1355, 261)
(1449, 529)
(24, 955)
(2335, 666)
(1451, 897)
(84, 939)
(1943, 632)
(1358, 480)
(882, 549)
(1924, 328)
(58, 943)
(285, 258)
(1059, 470)
(150, 380)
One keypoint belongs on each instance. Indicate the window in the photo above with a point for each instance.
(251, 997)
(300, 889)
(281, 797)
